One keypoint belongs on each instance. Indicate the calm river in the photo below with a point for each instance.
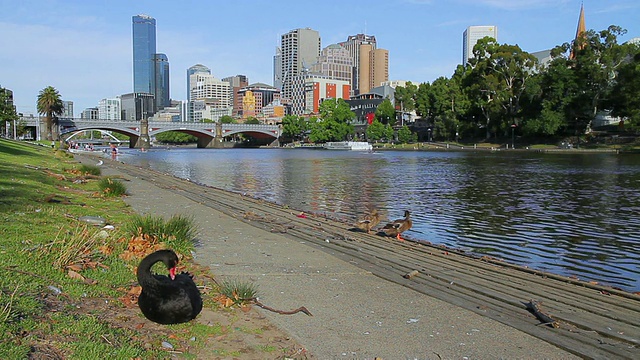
(570, 214)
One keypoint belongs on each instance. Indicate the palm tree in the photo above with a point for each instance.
(50, 105)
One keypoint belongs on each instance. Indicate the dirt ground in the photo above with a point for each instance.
(240, 333)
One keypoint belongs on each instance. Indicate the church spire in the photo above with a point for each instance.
(582, 28)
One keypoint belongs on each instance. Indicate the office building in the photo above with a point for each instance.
(161, 83)
(208, 95)
(90, 113)
(299, 50)
(236, 83)
(144, 49)
(137, 106)
(195, 69)
(309, 90)
(373, 68)
(255, 97)
(67, 110)
(109, 109)
(357, 45)
(335, 62)
(471, 36)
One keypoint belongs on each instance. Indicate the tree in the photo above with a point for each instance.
(7, 110)
(226, 119)
(175, 137)
(335, 121)
(50, 105)
(405, 97)
(405, 135)
(624, 100)
(294, 127)
(252, 120)
(385, 113)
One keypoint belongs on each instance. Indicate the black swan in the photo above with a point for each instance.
(165, 299)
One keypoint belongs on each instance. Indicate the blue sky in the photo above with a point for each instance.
(83, 48)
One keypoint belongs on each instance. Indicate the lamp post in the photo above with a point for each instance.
(513, 128)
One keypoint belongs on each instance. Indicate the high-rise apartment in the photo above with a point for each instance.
(144, 48)
(299, 50)
(373, 68)
(195, 69)
(236, 82)
(471, 36)
(67, 109)
(357, 45)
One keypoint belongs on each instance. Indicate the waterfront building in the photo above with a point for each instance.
(137, 106)
(171, 113)
(144, 48)
(109, 109)
(471, 36)
(309, 90)
(299, 50)
(255, 97)
(236, 83)
(335, 62)
(357, 45)
(195, 69)
(90, 113)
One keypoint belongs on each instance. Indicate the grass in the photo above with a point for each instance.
(52, 261)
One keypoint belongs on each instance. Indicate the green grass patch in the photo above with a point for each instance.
(110, 187)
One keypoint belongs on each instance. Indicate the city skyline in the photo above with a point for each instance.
(85, 50)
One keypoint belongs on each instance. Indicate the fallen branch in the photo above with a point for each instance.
(532, 306)
(300, 309)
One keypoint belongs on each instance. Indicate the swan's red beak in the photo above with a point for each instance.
(172, 273)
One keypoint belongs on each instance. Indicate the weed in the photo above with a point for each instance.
(110, 187)
(239, 292)
(90, 169)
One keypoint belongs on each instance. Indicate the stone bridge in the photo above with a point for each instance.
(140, 132)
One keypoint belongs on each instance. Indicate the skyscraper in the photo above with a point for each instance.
(144, 49)
(357, 45)
(299, 50)
(471, 36)
(161, 83)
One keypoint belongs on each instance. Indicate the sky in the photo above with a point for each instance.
(83, 48)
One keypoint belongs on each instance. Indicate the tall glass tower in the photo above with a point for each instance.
(144, 49)
(161, 90)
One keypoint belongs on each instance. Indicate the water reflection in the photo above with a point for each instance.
(566, 213)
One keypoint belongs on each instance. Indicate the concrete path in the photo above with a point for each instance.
(356, 315)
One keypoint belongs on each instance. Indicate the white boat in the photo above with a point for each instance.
(348, 145)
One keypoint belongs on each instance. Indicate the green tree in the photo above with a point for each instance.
(252, 120)
(405, 97)
(294, 127)
(226, 119)
(50, 105)
(375, 131)
(175, 137)
(385, 113)
(335, 122)
(625, 95)
(405, 135)
(7, 109)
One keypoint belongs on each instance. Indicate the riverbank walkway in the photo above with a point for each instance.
(363, 304)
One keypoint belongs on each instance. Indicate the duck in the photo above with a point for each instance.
(369, 221)
(166, 299)
(397, 227)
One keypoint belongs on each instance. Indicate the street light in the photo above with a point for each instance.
(513, 128)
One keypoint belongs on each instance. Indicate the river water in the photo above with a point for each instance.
(569, 214)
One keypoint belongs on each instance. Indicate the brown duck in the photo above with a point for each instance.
(397, 227)
(369, 221)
